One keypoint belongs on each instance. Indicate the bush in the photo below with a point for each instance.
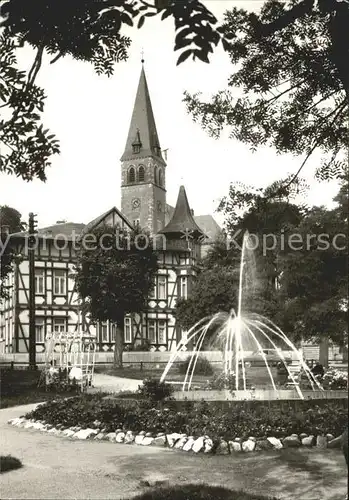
(237, 419)
(197, 492)
(221, 381)
(335, 379)
(8, 463)
(154, 390)
(202, 367)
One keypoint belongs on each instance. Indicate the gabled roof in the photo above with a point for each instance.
(142, 131)
(65, 229)
(182, 220)
(72, 230)
(95, 222)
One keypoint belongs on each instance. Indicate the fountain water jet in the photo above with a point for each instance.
(235, 332)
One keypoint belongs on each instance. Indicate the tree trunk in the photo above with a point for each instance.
(323, 352)
(119, 343)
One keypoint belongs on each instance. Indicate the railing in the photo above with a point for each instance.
(151, 365)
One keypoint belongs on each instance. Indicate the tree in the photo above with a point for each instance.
(314, 279)
(115, 273)
(291, 66)
(10, 222)
(215, 290)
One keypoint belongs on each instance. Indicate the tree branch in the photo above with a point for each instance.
(30, 81)
(58, 56)
(298, 11)
(338, 111)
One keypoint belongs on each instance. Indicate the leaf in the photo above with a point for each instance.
(141, 22)
(202, 55)
(126, 19)
(184, 56)
(226, 45)
(166, 14)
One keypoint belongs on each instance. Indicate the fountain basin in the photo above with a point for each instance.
(258, 394)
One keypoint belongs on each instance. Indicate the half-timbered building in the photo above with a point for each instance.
(180, 239)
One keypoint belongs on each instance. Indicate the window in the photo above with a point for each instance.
(141, 174)
(155, 175)
(39, 281)
(103, 329)
(136, 222)
(184, 288)
(128, 330)
(136, 148)
(112, 332)
(152, 331)
(162, 288)
(131, 175)
(39, 330)
(59, 325)
(59, 282)
(160, 177)
(162, 332)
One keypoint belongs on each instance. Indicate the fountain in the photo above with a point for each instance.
(238, 332)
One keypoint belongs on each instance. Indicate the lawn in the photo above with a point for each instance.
(20, 387)
(198, 492)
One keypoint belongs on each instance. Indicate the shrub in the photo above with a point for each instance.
(221, 381)
(154, 390)
(198, 492)
(202, 366)
(237, 419)
(8, 463)
(335, 379)
(144, 346)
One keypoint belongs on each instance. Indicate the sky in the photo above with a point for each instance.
(90, 115)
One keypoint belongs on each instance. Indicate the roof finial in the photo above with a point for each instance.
(142, 55)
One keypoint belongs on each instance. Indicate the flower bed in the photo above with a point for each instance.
(93, 416)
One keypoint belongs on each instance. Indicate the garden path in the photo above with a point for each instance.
(56, 468)
(108, 383)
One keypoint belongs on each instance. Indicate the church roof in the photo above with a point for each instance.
(182, 219)
(142, 131)
(208, 225)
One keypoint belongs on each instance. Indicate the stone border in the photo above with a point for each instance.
(180, 441)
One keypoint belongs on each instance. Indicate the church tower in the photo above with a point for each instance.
(143, 169)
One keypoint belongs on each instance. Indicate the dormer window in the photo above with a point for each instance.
(136, 145)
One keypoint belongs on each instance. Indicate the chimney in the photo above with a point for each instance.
(61, 221)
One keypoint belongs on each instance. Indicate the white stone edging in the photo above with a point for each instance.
(180, 441)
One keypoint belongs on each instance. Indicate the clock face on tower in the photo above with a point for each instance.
(159, 206)
(136, 203)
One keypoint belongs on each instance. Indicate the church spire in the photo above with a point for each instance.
(142, 140)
